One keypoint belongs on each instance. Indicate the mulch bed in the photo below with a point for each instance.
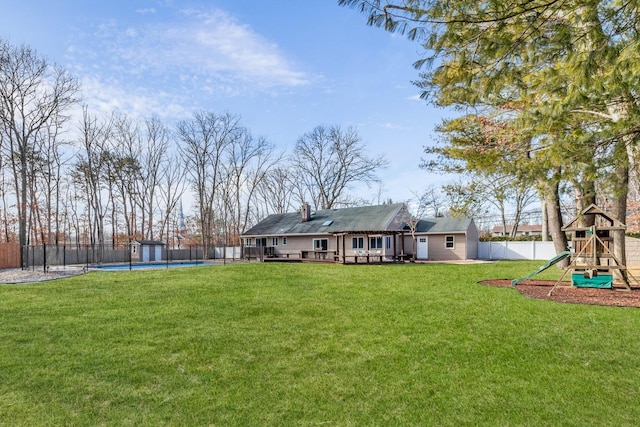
(539, 289)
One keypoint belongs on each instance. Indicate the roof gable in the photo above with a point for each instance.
(594, 211)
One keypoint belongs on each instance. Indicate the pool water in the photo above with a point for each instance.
(149, 265)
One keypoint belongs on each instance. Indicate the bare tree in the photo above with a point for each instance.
(172, 186)
(204, 140)
(276, 191)
(330, 160)
(431, 201)
(502, 192)
(248, 161)
(32, 94)
(153, 156)
(91, 172)
(300, 193)
(54, 158)
(125, 171)
(66, 191)
(7, 216)
(74, 195)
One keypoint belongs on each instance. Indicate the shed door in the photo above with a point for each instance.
(158, 253)
(423, 248)
(145, 253)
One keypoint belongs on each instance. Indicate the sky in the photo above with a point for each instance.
(283, 66)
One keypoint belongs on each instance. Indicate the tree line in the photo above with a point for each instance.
(547, 93)
(69, 175)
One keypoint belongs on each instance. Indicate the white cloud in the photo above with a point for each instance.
(393, 126)
(204, 44)
(169, 67)
(106, 97)
(147, 11)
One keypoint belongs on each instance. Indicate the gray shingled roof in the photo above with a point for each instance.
(359, 219)
(149, 242)
(443, 225)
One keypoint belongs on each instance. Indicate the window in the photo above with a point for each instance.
(320, 244)
(375, 242)
(247, 242)
(388, 242)
(357, 243)
(274, 241)
(449, 242)
(284, 240)
(423, 240)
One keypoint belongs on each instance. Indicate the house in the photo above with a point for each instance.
(522, 230)
(358, 234)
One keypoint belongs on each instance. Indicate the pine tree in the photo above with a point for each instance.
(565, 74)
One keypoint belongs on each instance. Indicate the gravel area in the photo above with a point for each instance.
(17, 275)
(539, 289)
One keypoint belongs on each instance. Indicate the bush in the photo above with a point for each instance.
(530, 238)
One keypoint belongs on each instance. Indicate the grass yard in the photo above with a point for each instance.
(303, 344)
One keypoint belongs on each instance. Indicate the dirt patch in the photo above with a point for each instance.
(564, 292)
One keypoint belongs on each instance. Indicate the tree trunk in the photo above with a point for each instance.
(545, 221)
(22, 203)
(551, 194)
(619, 204)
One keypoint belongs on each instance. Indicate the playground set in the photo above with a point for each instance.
(592, 262)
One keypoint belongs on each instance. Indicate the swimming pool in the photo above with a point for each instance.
(149, 265)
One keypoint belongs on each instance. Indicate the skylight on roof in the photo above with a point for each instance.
(328, 222)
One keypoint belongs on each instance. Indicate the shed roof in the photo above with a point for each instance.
(148, 242)
(443, 225)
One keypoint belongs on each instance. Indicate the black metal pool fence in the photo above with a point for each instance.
(45, 256)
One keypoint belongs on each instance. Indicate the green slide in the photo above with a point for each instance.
(552, 261)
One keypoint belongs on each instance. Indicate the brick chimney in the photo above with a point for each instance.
(306, 212)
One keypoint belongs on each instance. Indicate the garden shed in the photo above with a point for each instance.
(146, 250)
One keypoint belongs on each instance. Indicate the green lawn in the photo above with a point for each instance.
(302, 344)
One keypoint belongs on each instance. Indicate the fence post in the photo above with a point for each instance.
(533, 249)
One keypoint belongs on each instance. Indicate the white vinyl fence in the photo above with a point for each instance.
(516, 250)
(229, 252)
(543, 250)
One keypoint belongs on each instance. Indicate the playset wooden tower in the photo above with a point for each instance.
(592, 262)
